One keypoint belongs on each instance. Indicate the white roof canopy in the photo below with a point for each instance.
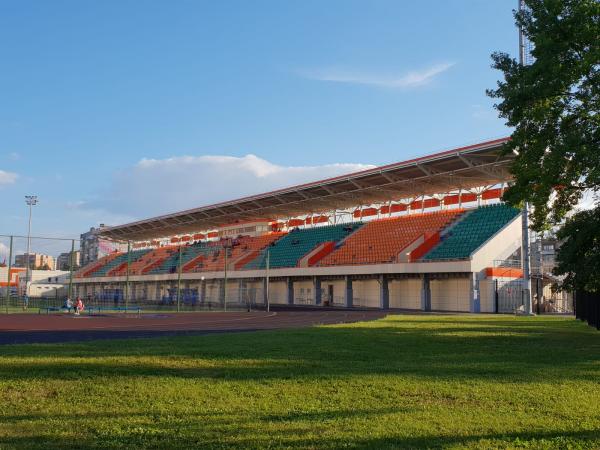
(461, 168)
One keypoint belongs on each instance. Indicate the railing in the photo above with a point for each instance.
(513, 263)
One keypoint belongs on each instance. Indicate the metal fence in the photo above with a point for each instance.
(587, 308)
(39, 274)
(35, 271)
(208, 296)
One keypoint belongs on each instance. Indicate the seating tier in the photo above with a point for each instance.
(287, 251)
(380, 241)
(470, 233)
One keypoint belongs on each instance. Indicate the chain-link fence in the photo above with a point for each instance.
(46, 275)
(36, 272)
(49, 275)
(168, 275)
(173, 295)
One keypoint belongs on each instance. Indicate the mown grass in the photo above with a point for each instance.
(400, 382)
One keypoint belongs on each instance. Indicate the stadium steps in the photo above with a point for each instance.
(188, 252)
(159, 256)
(287, 251)
(381, 241)
(193, 263)
(471, 232)
(151, 259)
(118, 261)
(240, 259)
(121, 269)
(92, 267)
(317, 254)
(241, 250)
(139, 266)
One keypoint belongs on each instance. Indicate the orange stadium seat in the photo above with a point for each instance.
(243, 249)
(380, 241)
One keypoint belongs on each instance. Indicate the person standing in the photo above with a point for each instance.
(78, 306)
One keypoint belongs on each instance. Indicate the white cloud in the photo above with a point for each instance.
(158, 186)
(406, 80)
(7, 177)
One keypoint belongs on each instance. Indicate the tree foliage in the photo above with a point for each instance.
(579, 255)
(553, 105)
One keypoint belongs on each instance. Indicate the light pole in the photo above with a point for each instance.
(202, 291)
(525, 246)
(30, 200)
(267, 279)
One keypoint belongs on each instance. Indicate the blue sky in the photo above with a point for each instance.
(117, 110)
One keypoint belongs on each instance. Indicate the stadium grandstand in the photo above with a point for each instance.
(429, 234)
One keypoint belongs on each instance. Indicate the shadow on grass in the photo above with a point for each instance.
(503, 350)
(301, 431)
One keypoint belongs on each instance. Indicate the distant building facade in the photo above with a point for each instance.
(93, 247)
(63, 262)
(543, 255)
(36, 261)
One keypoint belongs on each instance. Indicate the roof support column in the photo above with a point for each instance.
(156, 293)
(290, 291)
(475, 305)
(425, 293)
(265, 290)
(318, 295)
(348, 297)
(384, 292)
(222, 292)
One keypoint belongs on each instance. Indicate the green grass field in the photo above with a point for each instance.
(402, 382)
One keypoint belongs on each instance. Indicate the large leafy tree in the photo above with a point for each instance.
(553, 105)
(579, 256)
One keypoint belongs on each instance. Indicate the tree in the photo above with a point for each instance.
(579, 255)
(553, 106)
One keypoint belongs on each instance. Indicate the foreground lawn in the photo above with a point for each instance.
(405, 381)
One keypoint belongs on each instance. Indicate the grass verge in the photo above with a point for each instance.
(400, 382)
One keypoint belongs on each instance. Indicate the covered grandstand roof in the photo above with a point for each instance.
(460, 168)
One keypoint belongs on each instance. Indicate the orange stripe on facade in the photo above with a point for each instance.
(503, 272)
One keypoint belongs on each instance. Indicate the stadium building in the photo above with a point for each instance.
(429, 233)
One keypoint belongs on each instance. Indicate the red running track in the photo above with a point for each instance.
(30, 328)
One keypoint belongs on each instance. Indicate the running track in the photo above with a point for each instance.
(32, 328)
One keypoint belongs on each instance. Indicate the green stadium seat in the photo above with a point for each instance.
(470, 233)
(287, 251)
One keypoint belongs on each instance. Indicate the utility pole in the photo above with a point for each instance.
(525, 249)
(267, 278)
(70, 294)
(179, 264)
(127, 276)
(10, 255)
(30, 200)
(226, 248)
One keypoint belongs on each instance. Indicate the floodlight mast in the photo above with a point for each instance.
(30, 200)
(525, 249)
